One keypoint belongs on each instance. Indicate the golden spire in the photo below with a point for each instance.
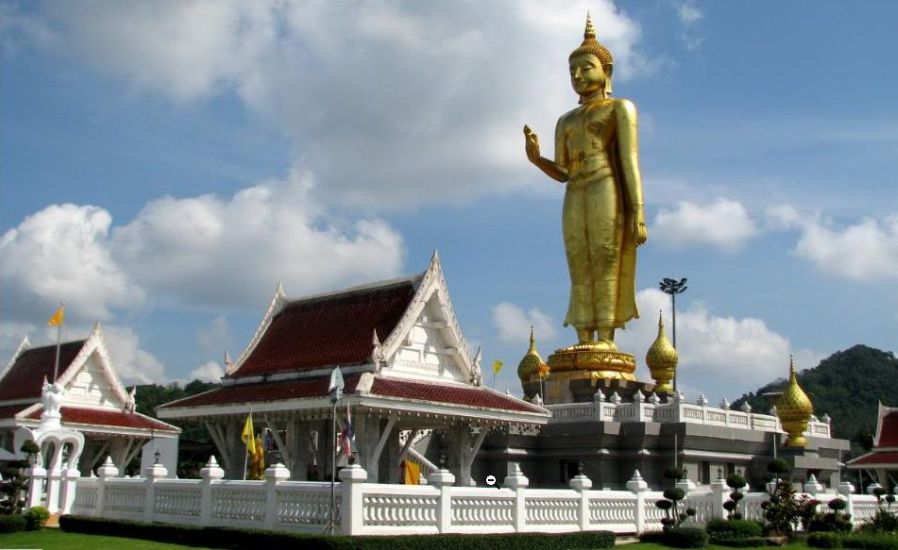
(662, 360)
(794, 409)
(530, 363)
(590, 31)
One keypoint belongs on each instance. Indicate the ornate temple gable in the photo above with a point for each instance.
(427, 343)
(91, 378)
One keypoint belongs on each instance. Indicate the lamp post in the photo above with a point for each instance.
(672, 287)
(335, 389)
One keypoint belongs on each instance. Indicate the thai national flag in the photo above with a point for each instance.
(346, 435)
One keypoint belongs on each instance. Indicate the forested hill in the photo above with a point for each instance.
(847, 386)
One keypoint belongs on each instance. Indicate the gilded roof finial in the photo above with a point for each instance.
(532, 341)
(662, 359)
(794, 409)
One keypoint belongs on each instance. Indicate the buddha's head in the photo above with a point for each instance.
(591, 64)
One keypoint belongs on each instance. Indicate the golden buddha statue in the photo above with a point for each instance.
(596, 155)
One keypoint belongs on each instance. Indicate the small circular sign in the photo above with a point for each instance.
(491, 480)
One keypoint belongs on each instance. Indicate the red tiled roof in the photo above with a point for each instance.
(445, 393)
(26, 375)
(109, 418)
(11, 410)
(317, 387)
(263, 391)
(336, 329)
(888, 432)
(876, 457)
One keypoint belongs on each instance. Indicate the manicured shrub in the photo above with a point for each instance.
(36, 517)
(720, 529)
(822, 539)
(11, 523)
(217, 537)
(685, 537)
(864, 541)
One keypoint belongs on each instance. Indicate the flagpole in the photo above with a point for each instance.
(58, 345)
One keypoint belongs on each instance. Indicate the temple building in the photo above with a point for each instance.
(608, 423)
(413, 389)
(881, 463)
(93, 402)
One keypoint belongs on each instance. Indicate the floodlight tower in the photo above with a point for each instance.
(672, 287)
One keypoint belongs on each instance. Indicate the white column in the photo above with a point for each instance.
(443, 480)
(273, 475)
(353, 480)
(846, 489)
(582, 484)
(104, 472)
(36, 475)
(718, 489)
(69, 481)
(517, 481)
(54, 482)
(638, 487)
(152, 475)
(210, 474)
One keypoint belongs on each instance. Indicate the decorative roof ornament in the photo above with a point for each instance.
(592, 46)
(529, 366)
(794, 409)
(662, 360)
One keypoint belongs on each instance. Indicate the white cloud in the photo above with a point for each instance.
(864, 251)
(723, 224)
(720, 355)
(62, 253)
(688, 13)
(210, 371)
(216, 251)
(134, 364)
(387, 103)
(513, 324)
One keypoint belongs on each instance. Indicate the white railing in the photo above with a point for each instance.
(379, 509)
(640, 410)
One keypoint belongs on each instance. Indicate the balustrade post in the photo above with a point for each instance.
(104, 472)
(273, 475)
(638, 487)
(37, 475)
(352, 517)
(210, 474)
(517, 481)
(719, 489)
(69, 480)
(443, 480)
(812, 486)
(846, 489)
(582, 484)
(54, 480)
(152, 474)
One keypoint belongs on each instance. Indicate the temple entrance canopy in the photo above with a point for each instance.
(413, 389)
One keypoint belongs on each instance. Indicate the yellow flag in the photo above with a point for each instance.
(58, 317)
(543, 371)
(497, 366)
(247, 435)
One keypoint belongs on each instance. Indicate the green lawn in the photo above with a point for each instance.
(56, 539)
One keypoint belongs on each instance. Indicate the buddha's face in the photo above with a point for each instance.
(587, 75)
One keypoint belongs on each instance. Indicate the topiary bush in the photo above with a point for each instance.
(822, 539)
(12, 523)
(834, 521)
(727, 529)
(36, 517)
(735, 482)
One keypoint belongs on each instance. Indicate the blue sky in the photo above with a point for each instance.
(163, 166)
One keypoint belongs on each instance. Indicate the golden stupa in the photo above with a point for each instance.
(662, 360)
(794, 409)
(530, 364)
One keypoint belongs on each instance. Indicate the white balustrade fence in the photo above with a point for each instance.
(379, 509)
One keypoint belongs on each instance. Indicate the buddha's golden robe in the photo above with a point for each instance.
(597, 218)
